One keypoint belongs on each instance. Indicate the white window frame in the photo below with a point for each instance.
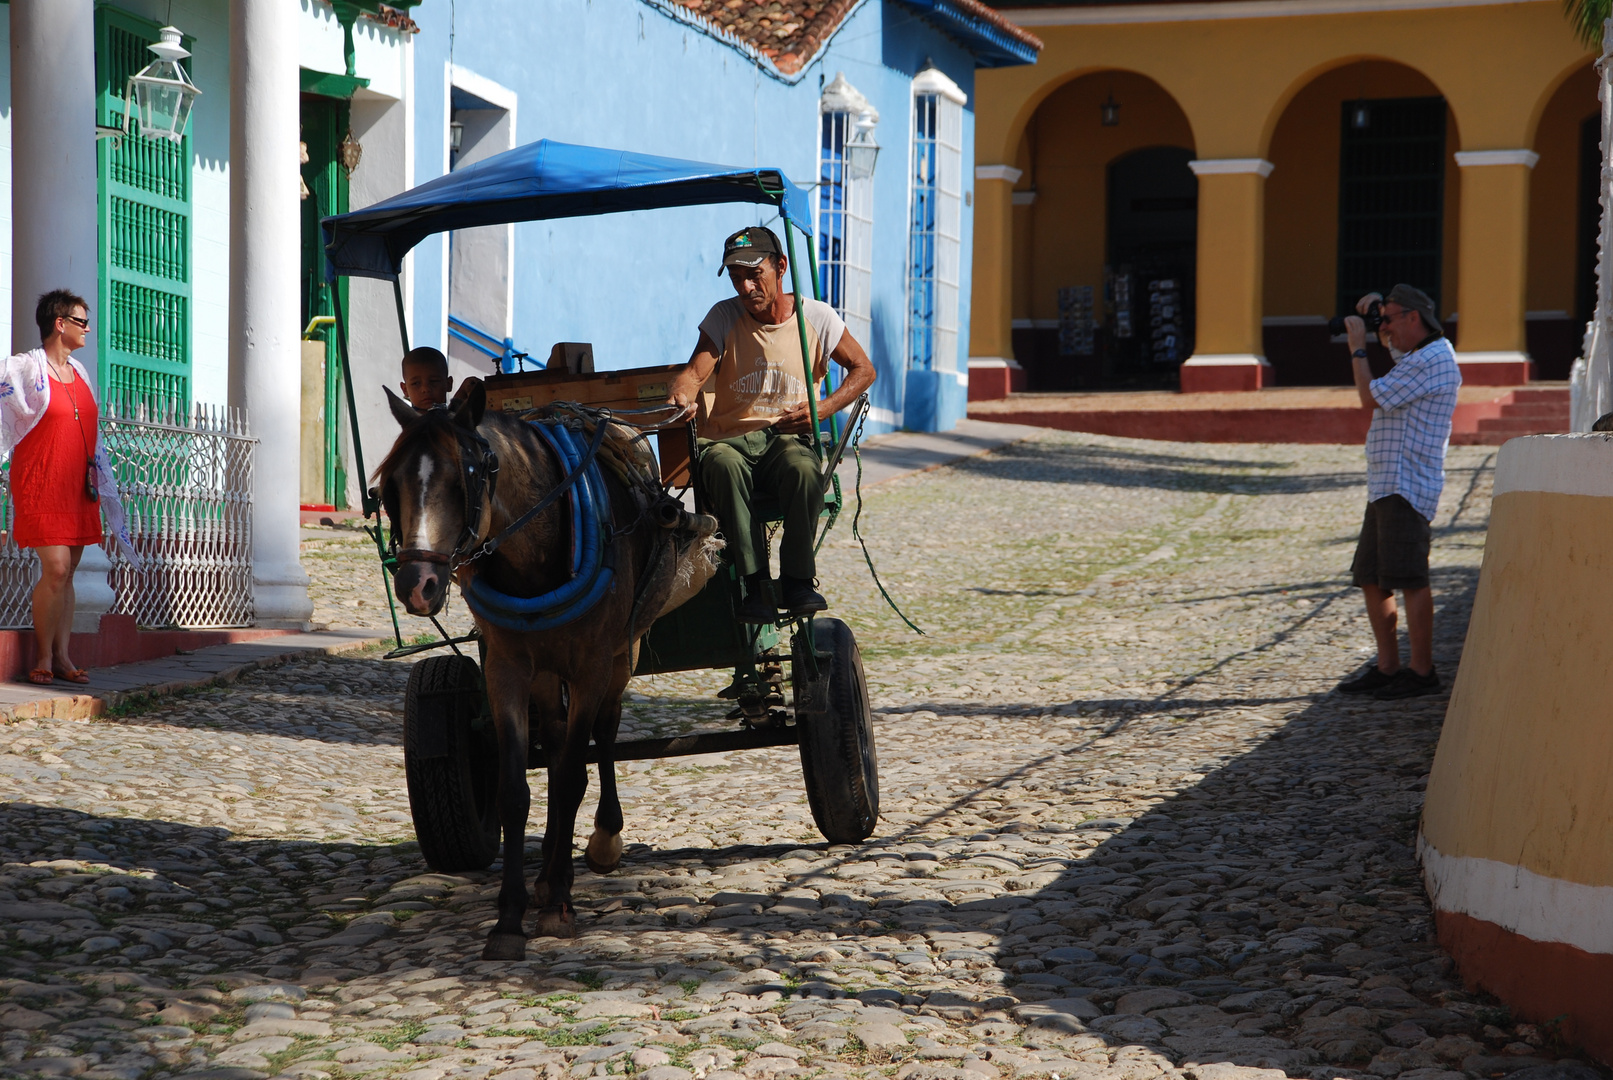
(931, 339)
(845, 276)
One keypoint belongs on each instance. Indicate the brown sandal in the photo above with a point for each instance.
(41, 677)
(76, 675)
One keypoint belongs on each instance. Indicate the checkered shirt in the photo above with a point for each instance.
(1412, 426)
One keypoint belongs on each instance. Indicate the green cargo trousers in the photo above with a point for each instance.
(780, 466)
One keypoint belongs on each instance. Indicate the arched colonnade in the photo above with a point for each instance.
(1254, 90)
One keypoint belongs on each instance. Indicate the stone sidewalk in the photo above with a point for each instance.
(114, 687)
(1128, 831)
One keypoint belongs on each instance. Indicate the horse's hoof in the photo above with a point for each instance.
(604, 852)
(504, 947)
(559, 922)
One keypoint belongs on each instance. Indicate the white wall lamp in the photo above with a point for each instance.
(162, 94)
(456, 135)
(861, 149)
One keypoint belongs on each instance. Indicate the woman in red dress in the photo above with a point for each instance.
(55, 510)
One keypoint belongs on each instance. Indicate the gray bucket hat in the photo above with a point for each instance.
(1413, 299)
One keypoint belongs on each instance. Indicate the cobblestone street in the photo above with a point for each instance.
(1127, 830)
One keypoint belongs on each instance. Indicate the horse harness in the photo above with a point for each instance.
(592, 526)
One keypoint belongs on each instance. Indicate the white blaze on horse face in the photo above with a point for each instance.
(422, 535)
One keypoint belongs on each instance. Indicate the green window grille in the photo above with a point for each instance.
(145, 211)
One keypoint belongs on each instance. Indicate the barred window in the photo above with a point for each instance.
(934, 225)
(845, 210)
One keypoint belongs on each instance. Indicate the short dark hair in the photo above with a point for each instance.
(426, 356)
(56, 304)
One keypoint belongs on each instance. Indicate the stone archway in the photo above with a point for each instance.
(1063, 222)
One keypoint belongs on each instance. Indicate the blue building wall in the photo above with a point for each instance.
(629, 74)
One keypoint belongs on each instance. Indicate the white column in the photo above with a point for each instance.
(53, 199)
(265, 257)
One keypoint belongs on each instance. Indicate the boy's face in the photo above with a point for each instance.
(426, 385)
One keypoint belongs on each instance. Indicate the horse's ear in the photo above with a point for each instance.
(404, 413)
(469, 404)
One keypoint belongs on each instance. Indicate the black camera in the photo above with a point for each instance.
(1373, 318)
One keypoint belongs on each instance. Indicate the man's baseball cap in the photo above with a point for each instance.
(1413, 299)
(749, 247)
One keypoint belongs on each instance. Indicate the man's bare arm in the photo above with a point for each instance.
(1355, 330)
(860, 374)
(684, 391)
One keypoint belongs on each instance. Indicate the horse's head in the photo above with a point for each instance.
(436, 486)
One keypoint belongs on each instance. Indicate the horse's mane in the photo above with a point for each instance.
(433, 425)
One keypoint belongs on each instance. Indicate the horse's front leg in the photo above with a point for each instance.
(604, 851)
(508, 687)
(567, 752)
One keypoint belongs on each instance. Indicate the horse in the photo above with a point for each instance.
(459, 488)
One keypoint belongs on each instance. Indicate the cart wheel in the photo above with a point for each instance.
(452, 768)
(837, 744)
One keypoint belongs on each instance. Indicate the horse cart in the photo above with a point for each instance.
(450, 750)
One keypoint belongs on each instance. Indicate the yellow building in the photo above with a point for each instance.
(1268, 160)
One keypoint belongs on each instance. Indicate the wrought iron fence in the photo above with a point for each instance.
(186, 483)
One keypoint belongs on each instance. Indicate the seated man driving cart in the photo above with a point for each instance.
(754, 422)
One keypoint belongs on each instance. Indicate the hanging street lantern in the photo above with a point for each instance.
(861, 149)
(1110, 110)
(162, 94)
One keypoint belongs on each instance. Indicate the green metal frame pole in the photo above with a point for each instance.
(403, 323)
(367, 502)
(817, 294)
(801, 327)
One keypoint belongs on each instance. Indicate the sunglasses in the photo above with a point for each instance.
(83, 324)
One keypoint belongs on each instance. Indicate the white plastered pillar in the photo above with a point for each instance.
(53, 209)
(265, 261)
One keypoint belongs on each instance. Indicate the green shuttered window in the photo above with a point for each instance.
(145, 207)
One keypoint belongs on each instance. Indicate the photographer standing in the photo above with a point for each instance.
(1411, 426)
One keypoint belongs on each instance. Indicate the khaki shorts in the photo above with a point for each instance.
(1393, 550)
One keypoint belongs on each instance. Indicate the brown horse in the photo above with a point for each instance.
(456, 478)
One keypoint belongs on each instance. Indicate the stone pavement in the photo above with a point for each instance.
(112, 688)
(1127, 833)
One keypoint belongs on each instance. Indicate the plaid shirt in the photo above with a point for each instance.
(1412, 426)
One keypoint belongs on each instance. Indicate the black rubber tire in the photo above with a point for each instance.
(452, 769)
(837, 746)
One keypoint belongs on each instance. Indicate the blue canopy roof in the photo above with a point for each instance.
(541, 180)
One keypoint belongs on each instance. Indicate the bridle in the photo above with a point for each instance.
(479, 478)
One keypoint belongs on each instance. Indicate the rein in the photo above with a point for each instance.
(493, 543)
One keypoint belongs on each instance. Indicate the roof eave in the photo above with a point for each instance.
(994, 40)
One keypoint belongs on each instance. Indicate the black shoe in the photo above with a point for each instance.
(800, 598)
(758, 606)
(1374, 679)
(1407, 683)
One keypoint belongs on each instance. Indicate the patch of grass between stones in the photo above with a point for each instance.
(396, 1036)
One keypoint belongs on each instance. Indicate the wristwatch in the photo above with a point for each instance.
(1360, 353)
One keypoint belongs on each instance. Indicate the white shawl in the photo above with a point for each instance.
(24, 396)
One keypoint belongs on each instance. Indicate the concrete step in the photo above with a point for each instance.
(1546, 410)
(1511, 426)
(1540, 393)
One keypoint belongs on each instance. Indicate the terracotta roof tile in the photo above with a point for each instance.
(790, 32)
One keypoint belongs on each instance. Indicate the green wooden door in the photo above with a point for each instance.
(324, 123)
(144, 204)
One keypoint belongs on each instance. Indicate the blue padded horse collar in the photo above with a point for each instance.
(588, 501)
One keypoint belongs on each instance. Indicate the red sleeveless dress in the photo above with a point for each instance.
(49, 504)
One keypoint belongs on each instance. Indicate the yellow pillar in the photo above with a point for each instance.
(991, 343)
(1227, 350)
(1493, 260)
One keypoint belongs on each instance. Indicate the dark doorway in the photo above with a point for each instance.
(1152, 256)
(1590, 217)
(1391, 196)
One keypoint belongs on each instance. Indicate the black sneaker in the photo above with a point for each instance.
(758, 606)
(800, 598)
(1374, 679)
(1407, 683)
